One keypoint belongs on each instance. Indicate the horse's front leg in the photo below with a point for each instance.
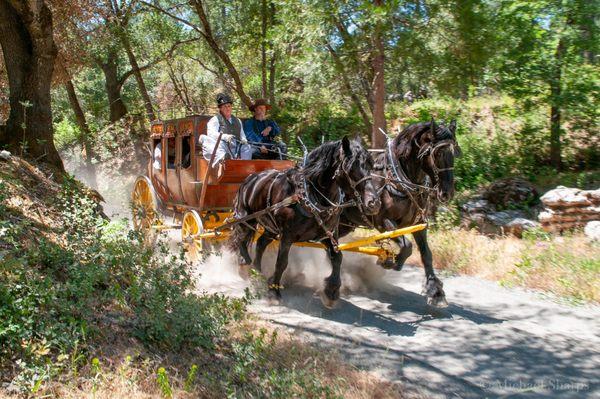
(261, 245)
(334, 281)
(274, 282)
(404, 244)
(433, 287)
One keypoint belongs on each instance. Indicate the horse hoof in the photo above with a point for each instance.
(434, 292)
(387, 264)
(398, 267)
(273, 298)
(274, 301)
(244, 271)
(438, 302)
(327, 302)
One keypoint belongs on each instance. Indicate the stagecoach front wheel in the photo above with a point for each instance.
(144, 207)
(191, 227)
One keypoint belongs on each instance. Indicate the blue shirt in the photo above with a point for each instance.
(253, 127)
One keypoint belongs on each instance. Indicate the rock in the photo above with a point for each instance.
(504, 217)
(504, 207)
(500, 223)
(569, 208)
(594, 196)
(517, 226)
(5, 155)
(476, 205)
(592, 230)
(511, 193)
(566, 197)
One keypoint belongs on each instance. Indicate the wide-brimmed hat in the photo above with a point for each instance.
(223, 99)
(260, 101)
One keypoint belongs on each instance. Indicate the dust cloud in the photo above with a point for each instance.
(307, 267)
(220, 272)
(115, 188)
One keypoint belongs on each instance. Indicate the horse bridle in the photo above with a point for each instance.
(430, 152)
(353, 183)
(406, 183)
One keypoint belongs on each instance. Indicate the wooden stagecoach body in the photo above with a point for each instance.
(179, 184)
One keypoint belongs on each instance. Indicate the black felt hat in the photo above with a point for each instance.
(223, 99)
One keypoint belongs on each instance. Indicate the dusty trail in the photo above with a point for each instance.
(490, 342)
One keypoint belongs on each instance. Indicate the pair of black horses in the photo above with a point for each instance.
(341, 187)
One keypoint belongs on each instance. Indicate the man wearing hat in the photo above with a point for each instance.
(233, 143)
(261, 132)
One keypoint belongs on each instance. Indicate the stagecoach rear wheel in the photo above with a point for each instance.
(191, 226)
(144, 206)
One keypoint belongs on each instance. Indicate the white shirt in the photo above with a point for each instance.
(209, 140)
(212, 127)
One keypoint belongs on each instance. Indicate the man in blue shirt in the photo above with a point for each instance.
(260, 133)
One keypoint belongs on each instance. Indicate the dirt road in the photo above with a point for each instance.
(490, 342)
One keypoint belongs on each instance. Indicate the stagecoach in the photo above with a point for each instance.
(184, 191)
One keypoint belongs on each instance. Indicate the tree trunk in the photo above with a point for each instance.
(220, 53)
(138, 76)
(113, 85)
(26, 37)
(273, 62)
(263, 48)
(555, 109)
(85, 134)
(348, 87)
(179, 89)
(378, 85)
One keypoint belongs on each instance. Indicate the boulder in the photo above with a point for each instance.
(569, 208)
(4, 155)
(592, 230)
(517, 226)
(566, 197)
(510, 193)
(507, 206)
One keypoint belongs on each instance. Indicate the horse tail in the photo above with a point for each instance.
(241, 233)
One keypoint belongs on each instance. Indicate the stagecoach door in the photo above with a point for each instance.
(170, 154)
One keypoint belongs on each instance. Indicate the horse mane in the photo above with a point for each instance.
(322, 159)
(403, 144)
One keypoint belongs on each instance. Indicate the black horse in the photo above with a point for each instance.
(335, 173)
(417, 167)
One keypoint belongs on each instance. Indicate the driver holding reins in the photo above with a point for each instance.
(233, 143)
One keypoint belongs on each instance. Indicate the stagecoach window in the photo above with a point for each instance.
(157, 154)
(171, 153)
(186, 149)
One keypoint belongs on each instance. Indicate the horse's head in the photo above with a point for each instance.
(354, 175)
(433, 147)
(437, 149)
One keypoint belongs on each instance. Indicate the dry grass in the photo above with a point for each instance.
(127, 370)
(289, 352)
(567, 266)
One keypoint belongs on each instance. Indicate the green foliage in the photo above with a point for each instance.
(163, 382)
(66, 134)
(191, 377)
(54, 298)
(498, 138)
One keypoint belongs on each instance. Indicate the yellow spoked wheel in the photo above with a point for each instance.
(144, 207)
(191, 226)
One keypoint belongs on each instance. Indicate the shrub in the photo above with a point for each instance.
(53, 297)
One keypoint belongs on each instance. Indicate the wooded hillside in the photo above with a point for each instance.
(328, 67)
